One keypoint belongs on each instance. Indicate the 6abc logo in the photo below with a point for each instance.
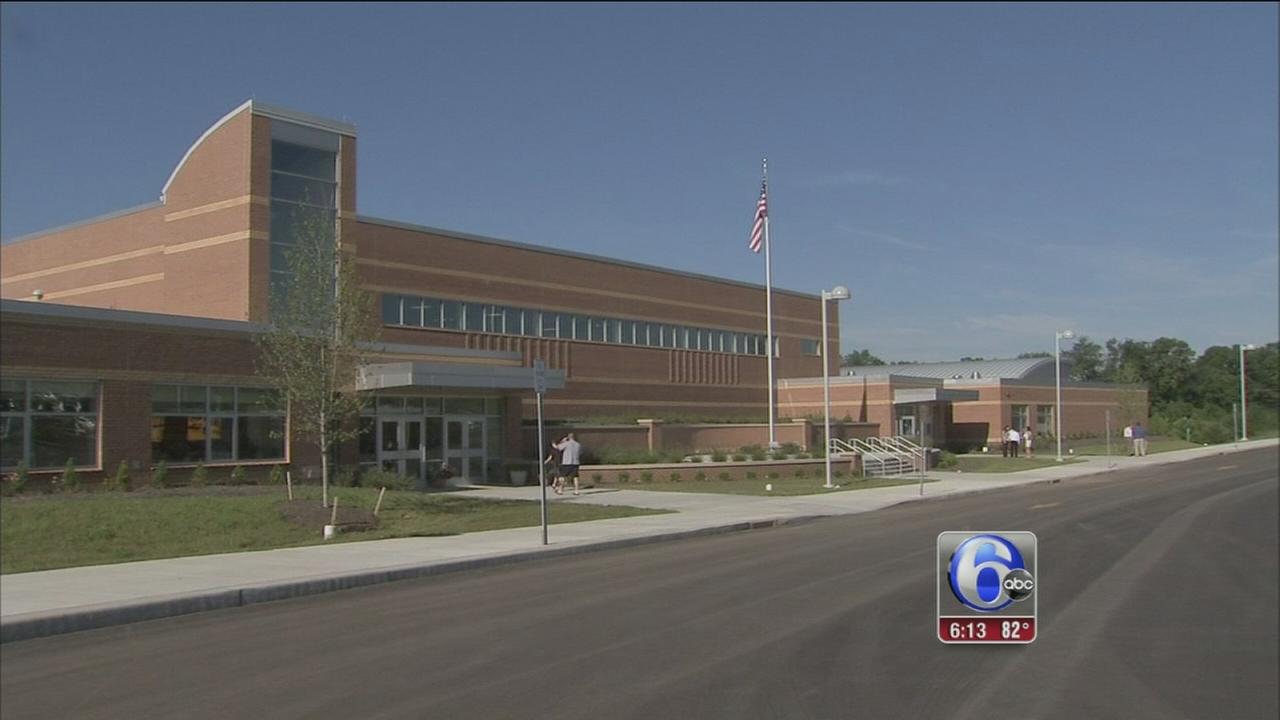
(987, 577)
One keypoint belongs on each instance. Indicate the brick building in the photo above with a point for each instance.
(130, 337)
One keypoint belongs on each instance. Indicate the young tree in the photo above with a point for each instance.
(320, 321)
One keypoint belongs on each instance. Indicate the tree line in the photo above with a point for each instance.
(1188, 394)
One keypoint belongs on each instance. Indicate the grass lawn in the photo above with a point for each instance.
(781, 486)
(54, 531)
(999, 464)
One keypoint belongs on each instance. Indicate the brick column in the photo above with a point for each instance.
(655, 433)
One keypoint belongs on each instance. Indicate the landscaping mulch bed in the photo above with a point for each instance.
(311, 514)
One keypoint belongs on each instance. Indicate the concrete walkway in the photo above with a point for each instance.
(57, 601)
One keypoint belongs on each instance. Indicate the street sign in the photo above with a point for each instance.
(539, 376)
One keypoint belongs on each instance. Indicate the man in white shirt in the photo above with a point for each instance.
(570, 457)
(1015, 440)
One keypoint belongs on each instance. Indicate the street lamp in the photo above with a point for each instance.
(1057, 364)
(1244, 414)
(839, 292)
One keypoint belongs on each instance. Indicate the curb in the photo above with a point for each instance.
(37, 625)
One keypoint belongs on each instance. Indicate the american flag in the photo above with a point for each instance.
(762, 210)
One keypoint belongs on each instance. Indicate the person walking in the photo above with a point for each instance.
(1139, 440)
(570, 457)
(1128, 437)
(1027, 435)
(552, 461)
(1004, 442)
(1015, 441)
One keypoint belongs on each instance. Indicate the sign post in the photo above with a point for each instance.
(540, 387)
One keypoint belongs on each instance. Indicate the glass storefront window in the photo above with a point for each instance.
(197, 423)
(45, 423)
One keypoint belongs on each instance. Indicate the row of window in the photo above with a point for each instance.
(197, 423)
(436, 313)
(44, 423)
(1019, 415)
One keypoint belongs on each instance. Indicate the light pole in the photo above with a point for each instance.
(1058, 337)
(839, 292)
(1244, 411)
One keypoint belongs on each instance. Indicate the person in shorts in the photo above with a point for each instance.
(570, 457)
(1027, 444)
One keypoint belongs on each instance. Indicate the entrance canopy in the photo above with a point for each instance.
(400, 375)
(907, 396)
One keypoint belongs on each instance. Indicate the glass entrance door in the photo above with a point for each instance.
(464, 448)
(401, 447)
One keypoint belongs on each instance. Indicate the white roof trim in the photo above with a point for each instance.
(165, 190)
(270, 111)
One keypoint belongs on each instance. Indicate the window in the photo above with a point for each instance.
(809, 347)
(391, 310)
(1018, 417)
(1044, 420)
(45, 423)
(197, 423)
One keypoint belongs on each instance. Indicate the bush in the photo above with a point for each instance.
(801, 474)
(751, 475)
(789, 448)
(739, 457)
(624, 477)
(948, 460)
(379, 478)
(646, 477)
(199, 476)
(70, 478)
(160, 475)
(120, 481)
(718, 456)
(837, 474)
(696, 458)
(700, 477)
(675, 477)
(772, 476)
(18, 479)
(238, 476)
(597, 478)
(277, 475)
(725, 476)
(349, 477)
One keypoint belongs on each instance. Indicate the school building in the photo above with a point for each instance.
(130, 337)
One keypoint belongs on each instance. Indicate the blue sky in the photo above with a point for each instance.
(979, 175)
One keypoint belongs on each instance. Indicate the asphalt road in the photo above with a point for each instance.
(1157, 599)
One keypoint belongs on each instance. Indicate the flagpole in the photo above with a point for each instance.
(768, 304)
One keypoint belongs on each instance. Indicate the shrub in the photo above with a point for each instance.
(696, 458)
(772, 476)
(718, 456)
(751, 475)
(700, 477)
(19, 478)
(379, 478)
(238, 476)
(725, 476)
(160, 475)
(646, 477)
(789, 448)
(675, 477)
(624, 477)
(739, 457)
(277, 475)
(70, 478)
(349, 477)
(800, 473)
(120, 481)
(199, 476)
(597, 478)
(778, 455)
(837, 474)
(948, 460)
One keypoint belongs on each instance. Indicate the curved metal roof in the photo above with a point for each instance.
(1014, 369)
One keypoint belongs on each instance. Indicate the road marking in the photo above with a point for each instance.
(1037, 507)
(1228, 467)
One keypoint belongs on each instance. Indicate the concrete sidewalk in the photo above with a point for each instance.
(57, 601)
